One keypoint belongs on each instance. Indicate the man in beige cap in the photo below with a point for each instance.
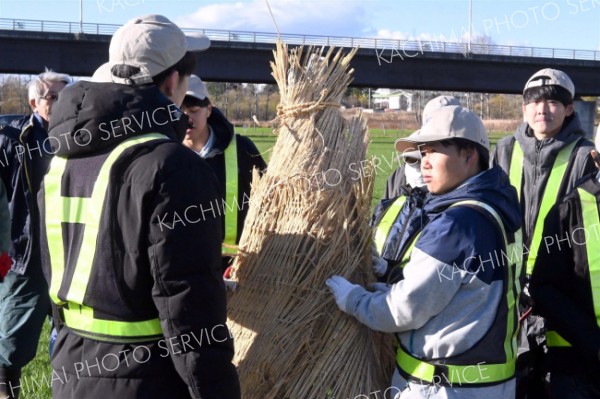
(408, 172)
(453, 314)
(398, 217)
(130, 247)
(544, 159)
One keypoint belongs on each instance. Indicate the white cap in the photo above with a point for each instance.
(432, 105)
(447, 123)
(411, 152)
(152, 43)
(196, 88)
(551, 77)
(102, 74)
(437, 103)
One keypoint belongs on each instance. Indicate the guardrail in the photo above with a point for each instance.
(407, 48)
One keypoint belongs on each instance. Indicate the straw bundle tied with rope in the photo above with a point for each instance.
(302, 227)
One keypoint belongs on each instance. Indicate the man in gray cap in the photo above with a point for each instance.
(131, 249)
(454, 312)
(408, 172)
(544, 159)
(398, 217)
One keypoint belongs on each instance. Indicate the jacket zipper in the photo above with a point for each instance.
(538, 151)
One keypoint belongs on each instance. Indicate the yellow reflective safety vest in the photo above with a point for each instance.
(448, 372)
(230, 202)
(382, 231)
(59, 210)
(551, 192)
(590, 217)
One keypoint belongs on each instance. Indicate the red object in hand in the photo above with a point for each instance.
(227, 273)
(5, 264)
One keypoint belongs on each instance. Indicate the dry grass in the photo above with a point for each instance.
(291, 339)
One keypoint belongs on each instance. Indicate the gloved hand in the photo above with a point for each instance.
(5, 265)
(380, 265)
(341, 288)
(230, 284)
(383, 287)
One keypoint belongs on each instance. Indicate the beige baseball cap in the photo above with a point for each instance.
(551, 77)
(436, 103)
(197, 88)
(152, 43)
(447, 123)
(102, 74)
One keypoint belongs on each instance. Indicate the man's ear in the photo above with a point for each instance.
(569, 110)
(32, 104)
(470, 155)
(170, 83)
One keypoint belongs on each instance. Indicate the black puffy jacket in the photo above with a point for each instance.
(150, 261)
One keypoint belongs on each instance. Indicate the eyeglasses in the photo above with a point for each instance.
(50, 97)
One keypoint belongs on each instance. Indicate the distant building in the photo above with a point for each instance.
(392, 99)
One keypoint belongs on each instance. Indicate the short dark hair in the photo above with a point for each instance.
(551, 92)
(184, 66)
(464, 144)
(191, 101)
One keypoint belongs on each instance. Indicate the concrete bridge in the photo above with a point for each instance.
(28, 46)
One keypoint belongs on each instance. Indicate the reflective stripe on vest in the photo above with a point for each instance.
(590, 217)
(473, 374)
(387, 221)
(482, 373)
(86, 211)
(549, 197)
(231, 202)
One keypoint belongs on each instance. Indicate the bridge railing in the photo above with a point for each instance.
(403, 48)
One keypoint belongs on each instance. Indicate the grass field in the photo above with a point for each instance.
(37, 374)
(381, 146)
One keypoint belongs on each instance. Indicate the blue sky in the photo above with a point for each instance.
(570, 24)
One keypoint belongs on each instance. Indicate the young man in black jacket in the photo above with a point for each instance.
(544, 159)
(565, 286)
(130, 247)
(232, 157)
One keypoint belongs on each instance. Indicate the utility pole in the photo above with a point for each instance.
(470, 26)
(80, 16)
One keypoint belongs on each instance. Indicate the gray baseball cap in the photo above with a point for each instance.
(551, 77)
(197, 88)
(152, 43)
(436, 103)
(447, 123)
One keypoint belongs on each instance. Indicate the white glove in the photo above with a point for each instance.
(382, 287)
(341, 288)
(380, 265)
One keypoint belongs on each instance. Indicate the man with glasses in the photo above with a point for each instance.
(24, 301)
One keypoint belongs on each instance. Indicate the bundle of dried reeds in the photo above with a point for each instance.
(308, 220)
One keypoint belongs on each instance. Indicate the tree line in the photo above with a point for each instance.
(241, 102)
